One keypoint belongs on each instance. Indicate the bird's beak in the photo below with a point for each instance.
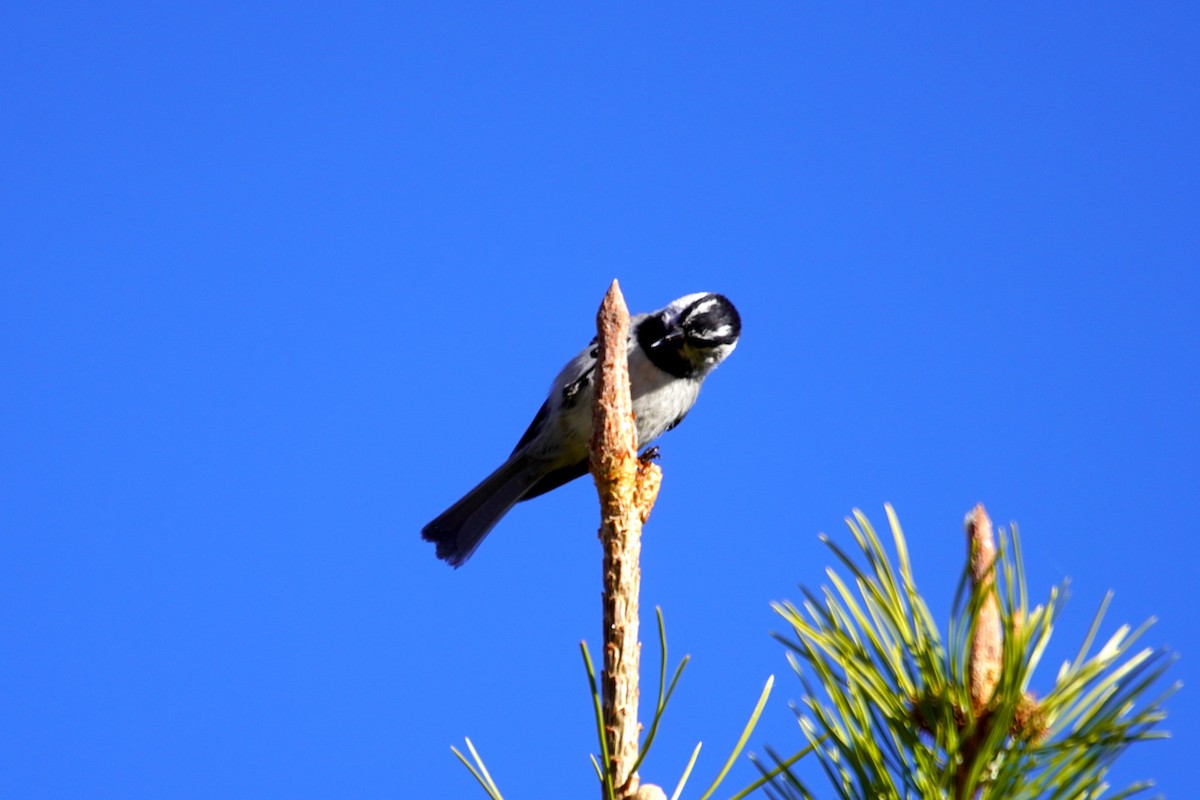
(673, 336)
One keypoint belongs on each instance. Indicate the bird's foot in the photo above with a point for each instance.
(649, 454)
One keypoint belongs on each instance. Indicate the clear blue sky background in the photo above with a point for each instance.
(282, 281)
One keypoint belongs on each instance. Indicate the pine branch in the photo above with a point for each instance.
(627, 490)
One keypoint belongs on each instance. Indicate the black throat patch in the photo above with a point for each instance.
(667, 356)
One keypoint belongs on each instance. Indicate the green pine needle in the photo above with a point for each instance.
(894, 718)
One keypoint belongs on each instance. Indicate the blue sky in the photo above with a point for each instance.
(282, 281)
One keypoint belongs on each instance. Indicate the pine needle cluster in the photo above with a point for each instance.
(894, 710)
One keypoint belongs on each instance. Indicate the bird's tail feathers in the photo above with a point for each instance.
(459, 530)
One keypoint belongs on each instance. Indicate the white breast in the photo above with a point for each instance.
(659, 400)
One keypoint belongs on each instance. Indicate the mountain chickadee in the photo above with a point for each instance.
(670, 353)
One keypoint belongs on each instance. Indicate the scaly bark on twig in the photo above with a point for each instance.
(627, 490)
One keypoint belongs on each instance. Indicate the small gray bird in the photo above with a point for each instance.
(670, 353)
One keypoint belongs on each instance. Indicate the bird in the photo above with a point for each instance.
(670, 353)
